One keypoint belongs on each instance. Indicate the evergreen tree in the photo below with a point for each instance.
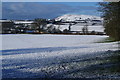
(110, 13)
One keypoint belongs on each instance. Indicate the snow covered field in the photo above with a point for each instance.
(77, 27)
(36, 56)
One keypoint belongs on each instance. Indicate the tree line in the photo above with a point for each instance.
(111, 14)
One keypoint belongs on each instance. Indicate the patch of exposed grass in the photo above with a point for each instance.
(105, 65)
(109, 66)
(114, 59)
(107, 40)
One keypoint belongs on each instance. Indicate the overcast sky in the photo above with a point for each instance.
(49, 10)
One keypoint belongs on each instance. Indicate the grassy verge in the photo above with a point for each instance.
(107, 40)
(111, 63)
(115, 59)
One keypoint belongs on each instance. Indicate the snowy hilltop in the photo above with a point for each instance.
(71, 17)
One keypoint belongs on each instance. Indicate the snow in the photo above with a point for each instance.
(37, 41)
(90, 28)
(23, 22)
(69, 17)
(77, 27)
(5, 21)
(26, 56)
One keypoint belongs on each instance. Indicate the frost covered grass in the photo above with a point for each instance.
(41, 56)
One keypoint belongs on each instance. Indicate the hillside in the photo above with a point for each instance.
(69, 17)
(94, 23)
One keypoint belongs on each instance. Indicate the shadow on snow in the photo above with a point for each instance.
(37, 50)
